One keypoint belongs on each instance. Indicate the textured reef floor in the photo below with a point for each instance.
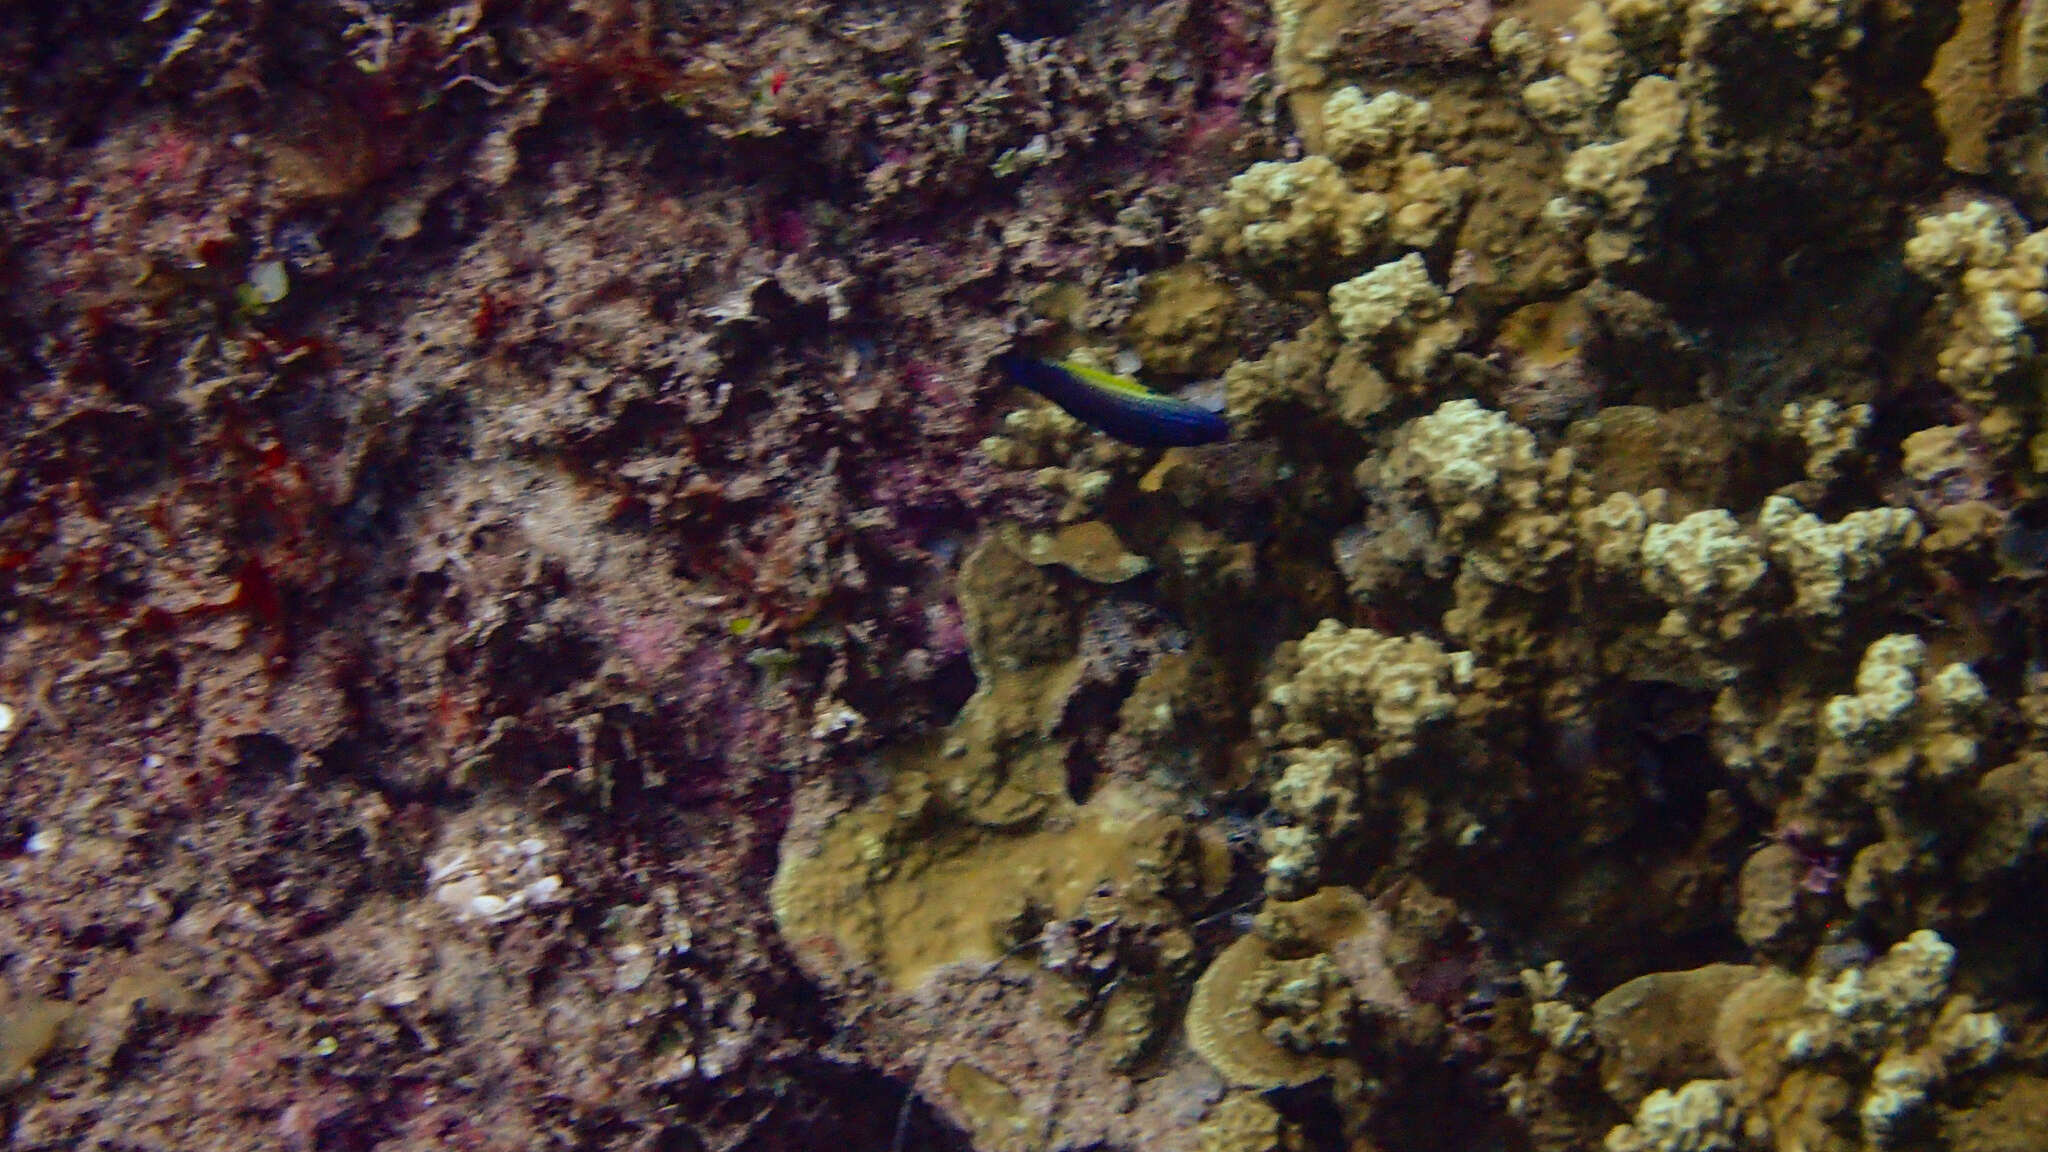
(529, 621)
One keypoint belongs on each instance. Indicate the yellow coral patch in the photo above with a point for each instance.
(901, 886)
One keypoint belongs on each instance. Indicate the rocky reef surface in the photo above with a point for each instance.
(528, 621)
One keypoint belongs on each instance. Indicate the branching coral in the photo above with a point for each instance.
(1473, 463)
(1802, 1063)
(1667, 98)
(1893, 1024)
(1373, 194)
(1385, 690)
(1993, 279)
(1346, 707)
(1400, 320)
(1823, 561)
(1874, 787)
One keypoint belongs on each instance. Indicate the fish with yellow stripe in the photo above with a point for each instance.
(1115, 405)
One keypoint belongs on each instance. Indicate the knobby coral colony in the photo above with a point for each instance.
(1116, 405)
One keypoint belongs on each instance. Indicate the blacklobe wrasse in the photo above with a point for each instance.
(1116, 405)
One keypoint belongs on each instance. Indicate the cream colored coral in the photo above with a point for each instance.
(1317, 796)
(1701, 1116)
(1363, 196)
(1294, 856)
(1356, 129)
(1900, 1083)
(1591, 67)
(1873, 1041)
(1829, 430)
(1614, 175)
(1866, 1005)
(1562, 1025)
(1517, 48)
(1392, 297)
(1705, 560)
(1468, 459)
(1643, 89)
(1612, 531)
(1896, 1014)
(1898, 724)
(1887, 684)
(1278, 215)
(1428, 198)
(1398, 316)
(1992, 277)
(1424, 196)
(1977, 235)
(1385, 690)
(1823, 560)
(1957, 691)
(1650, 125)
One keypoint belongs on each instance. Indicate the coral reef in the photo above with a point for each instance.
(529, 620)
(1851, 1060)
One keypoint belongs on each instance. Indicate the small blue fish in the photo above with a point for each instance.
(1116, 405)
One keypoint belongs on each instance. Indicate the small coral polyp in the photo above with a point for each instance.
(493, 866)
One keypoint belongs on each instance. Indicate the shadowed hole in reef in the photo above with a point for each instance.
(1083, 771)
(1020, 20)
(846, 1108)
(2024, 543)
(952, 684)
(1688, 827)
